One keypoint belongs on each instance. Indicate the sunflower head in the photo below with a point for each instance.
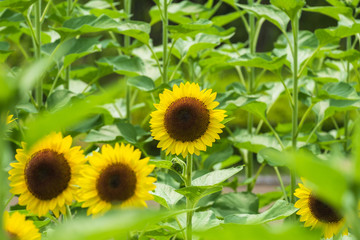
(18, 228)
(185, 120)
(116, 177)
(45, 175)
(318, 214)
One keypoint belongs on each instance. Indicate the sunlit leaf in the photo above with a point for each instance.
(166, 195)
(216, 177)
(290, 7)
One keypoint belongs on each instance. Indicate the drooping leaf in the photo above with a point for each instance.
(16, 5)
(333, 12)
(259, 61)
(290, 7)
(195, 193)
(141, 82)
(130, 66)
(272, 157)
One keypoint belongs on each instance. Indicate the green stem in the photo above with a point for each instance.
(189, 204)
(37, 47)
(165, 22)
(68, 69)
(295, 31)
(346, 119)
(281, 183)
(252, 43)
(126, 45)
(257, 175)
(68, 213)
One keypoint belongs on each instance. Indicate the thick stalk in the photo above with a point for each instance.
(295, 30)
(346, 118)
(126, 45)
(252, 43)
(68, 69)
(189, 204)
(165, 22)
(37, 47)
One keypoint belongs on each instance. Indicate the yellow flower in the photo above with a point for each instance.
(116, 177)
(46, 175)
(18, 228)
(9, 119)
(185, 120)
(318, 214)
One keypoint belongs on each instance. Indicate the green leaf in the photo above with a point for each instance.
(333, 12)
(340, 90)
(202, 220)
(250, 105)
(280, 210)
(59, 99)
(233, 203)
(166, 195)
(186, 8)
(4, 51)
(141, 82)
(272, 157)
(195, 193)
(161, 163)
(72, 49)
(125, 65)
(216, 177)
(218, 156)
(270, 13)
(106, 133)
(222, 20)
(16, 5)
(184, 30)
(346, 27)
(327, 108)
(259, 60)
(254, 143)
(290, 7)
(127, 131)
(269, 197)
(92, 24)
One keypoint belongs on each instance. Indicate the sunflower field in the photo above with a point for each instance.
(179, 119)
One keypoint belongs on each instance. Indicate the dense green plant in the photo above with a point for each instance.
(87, 69)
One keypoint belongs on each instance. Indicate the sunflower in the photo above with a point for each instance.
(318, 214)
(116, 177)
(45, 175)
(17, 228)
(185, 120)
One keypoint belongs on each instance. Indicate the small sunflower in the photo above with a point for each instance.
(185, 120)
(45, 176)
(116, 177)
(318, 214)
(18, 228)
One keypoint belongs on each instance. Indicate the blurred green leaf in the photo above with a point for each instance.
(280, 210)
(161, 163)
(268, 198)
(340, 90)
(290, 7)
(326, 180)
(222, 20)
(333, 12)
(59, 99)
(127, 131)
(259, 60)
(218, 156)
(16, 5)
(115, 224)
(202, 220)
(233, 231)
(183, 30)
(66, 117)
(106, 133)
(254, 143)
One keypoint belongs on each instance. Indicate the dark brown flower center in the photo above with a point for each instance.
(116, 183)
(12, 236)
(322, 211)
(47, 174)
(187, 119)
